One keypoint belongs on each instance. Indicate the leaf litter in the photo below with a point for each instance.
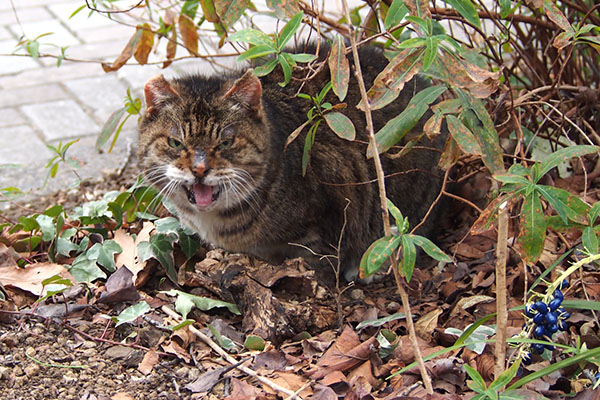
(67, 346)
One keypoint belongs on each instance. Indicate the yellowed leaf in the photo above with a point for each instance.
(30, 278)
(427, 323)
(129, 257)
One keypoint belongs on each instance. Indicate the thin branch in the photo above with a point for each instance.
(384, 210)
(230, 359)
(501, 308)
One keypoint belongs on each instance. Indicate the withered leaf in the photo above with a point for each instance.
(125, 54)
(171, 47)
(339, 68)
(187, 27)
(418, 8)
(144, 45)
(230, 10)
(391, 80)
(208, 10)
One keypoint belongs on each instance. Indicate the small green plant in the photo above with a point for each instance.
(492, 392)
(522, 183)
(32, 47)
(114, 124)
(384, 248)
(59, 158)
(263, 45)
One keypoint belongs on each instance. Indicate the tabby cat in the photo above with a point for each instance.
(215, 146)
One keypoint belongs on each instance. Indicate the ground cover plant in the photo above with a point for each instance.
(507, 310)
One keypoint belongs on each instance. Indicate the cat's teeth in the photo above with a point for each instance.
(189, 193)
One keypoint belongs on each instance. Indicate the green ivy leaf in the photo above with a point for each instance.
(47, 226)
(84, 269)
(266, 68)
(131, 313)
(104, 254)
(257, 52)
(167, 225)
(185, 302)
(189, 244)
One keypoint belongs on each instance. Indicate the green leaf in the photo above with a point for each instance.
(223, 340)
(185, 302)
(340, 125)
(254, 342)
(593, 213)
(287, 70)
(47, 226)
(104, 254)
(131, 313)
(398, 127)
(302, 57)
(161, 246)
(65, 246)
(533, 227)
(256, 52)
(409, 256)
(252, 36)
(266, 68)
(339, 68)
(396, 213)
(430, 248)
(85, 270)
(480, 123)
(377, 253)
(289, 29)
(395, 14)
(230, 10)
(167, 225)
(512, 179)
(467, 9)
(463, 136)
(380, 321)
(590, 240)
(563, 155)
(189, 244)
(567, 205)
(430, 52)
(506, 376)
(478, 381)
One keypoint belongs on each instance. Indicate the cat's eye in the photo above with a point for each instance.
(174, 143)
(226, 143)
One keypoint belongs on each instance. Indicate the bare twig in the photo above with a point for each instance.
(384, 210)
(501, 309)
(231, 360)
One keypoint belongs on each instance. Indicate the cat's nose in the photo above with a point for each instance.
(199, 167)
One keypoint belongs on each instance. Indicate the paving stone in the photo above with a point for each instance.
(83, 19)
(11, 117)
(24, 4)
(59, 36)
(103, 94)
(69, 70)
(12, 64)
(19, 145)
(116, 31)
(5, 33)
(25, 15)
(60, 119)
(106, 51)
(31, 95)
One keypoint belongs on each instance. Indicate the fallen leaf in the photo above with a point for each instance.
(148, 362)
(427, 324)
(30, 278)
(129, 255)
(8, 256)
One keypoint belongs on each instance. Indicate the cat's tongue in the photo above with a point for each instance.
(203, 194)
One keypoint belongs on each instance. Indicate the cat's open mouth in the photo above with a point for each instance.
(203, 196)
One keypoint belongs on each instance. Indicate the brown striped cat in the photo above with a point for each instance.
(215, 147)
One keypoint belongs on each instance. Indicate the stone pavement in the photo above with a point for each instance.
(41, 103)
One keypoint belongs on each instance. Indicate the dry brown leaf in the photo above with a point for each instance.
(144, 45)
(129, 256)
(291, 381)
(125, 54)
(122, 396)
(344, 354)
(240, 390)
(174, 348)
(30, 278)
(427, 324)
(188, 31)
(365, 371)
(149, 361)
(468, 302)
(8, 256)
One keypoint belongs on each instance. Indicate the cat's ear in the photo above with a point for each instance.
(157, 91)
(247, 90)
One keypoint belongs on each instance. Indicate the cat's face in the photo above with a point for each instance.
(204, 153)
